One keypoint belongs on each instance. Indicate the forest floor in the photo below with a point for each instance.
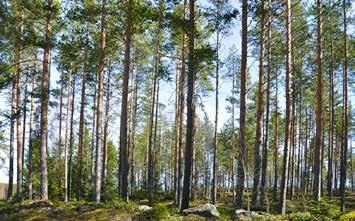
(298, 210)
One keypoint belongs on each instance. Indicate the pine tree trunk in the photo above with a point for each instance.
(156, 150)
(263, 193)
(215, 166)
(12, 134)
(19, 135)
(190, 121)
(106, 126)
(260, 111)
(67, 135)
(98, 142)
(276, 139)
(152, 134)
(31, 137)
(132, 141)
(59, 145)
(176, 150)
(319, 117)
(71, 139)
(283, 192)
(93, 154)
(344, 149)
(232, 158)
(243, 81)
(45, 103)
(24, 127)
(81, 128)
(330, 175)
(293, 132)
(181, 108)
(123, 167)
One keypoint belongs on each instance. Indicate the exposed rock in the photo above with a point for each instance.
(244, 214)
(206, 210)
(82, 208)
(144, 208)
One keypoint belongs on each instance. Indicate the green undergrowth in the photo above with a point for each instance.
(164, 209)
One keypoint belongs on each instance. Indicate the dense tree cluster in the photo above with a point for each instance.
(85, 83)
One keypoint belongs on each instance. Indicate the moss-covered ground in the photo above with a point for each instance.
(163, 209)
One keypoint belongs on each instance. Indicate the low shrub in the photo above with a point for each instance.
(348, 216)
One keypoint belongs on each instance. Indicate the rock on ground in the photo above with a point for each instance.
(244, 214)
(205, 210)
(144, 208)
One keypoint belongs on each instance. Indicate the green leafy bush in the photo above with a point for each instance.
(348, 216)
(306, 216)
(157, 213)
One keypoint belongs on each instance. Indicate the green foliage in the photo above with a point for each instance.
(301, 216)
(159, 212)
(325, 208)
(348, 216)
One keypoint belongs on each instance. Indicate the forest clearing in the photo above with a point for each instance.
(177, 110)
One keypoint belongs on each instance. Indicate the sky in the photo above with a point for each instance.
(167, 96)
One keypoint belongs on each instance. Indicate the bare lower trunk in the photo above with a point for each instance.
(319, 117)
(132, 142)
(106, 126)
(243, 79)
(45, 104)
(31, 137)
(215, 165)
(276, 140)
(260, 111)
(190, 121)
(330, 175)
(263, 194)
(283, 192)
(123, 167)
(67, 135)
(99, 103)
(344, 149)
(19, 135)
(71, 140)
(12, 133)
(81, 129)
